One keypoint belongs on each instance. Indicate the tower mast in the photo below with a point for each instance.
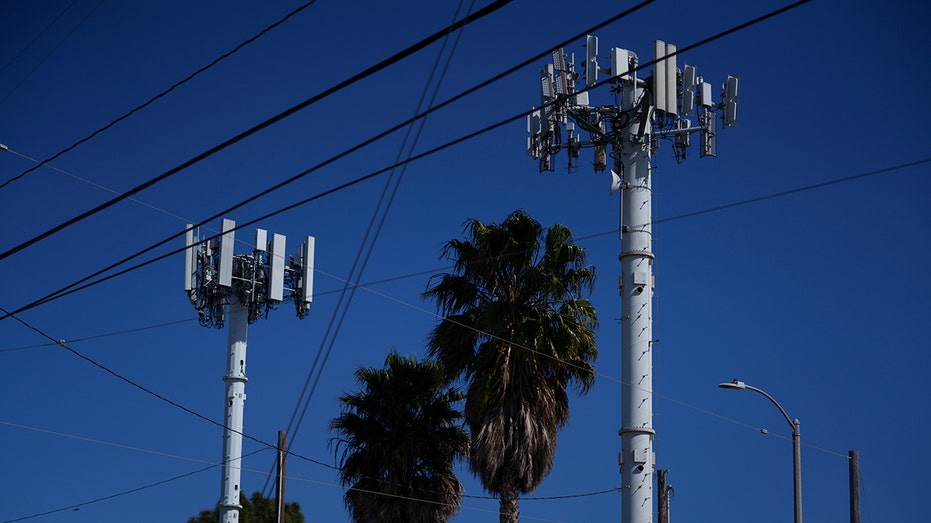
(251, 285)
(643, 113)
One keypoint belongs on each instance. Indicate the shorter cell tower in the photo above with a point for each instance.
(643, 111)
(251, 284)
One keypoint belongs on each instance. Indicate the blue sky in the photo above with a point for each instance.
(818, 296)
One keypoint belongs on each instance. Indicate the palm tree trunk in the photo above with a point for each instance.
(509, 504)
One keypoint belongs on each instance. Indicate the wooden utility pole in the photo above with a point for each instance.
(663, 498)
(279, 479)
(854, 458)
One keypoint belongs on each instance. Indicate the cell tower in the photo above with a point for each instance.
(251, 284)
(644, 111)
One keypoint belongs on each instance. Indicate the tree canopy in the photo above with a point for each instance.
(257, 509)
(397, 442)
(518, 328)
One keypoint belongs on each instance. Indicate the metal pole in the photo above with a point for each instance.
(796, 442)
(233, 412)
(279, 485)
(797, 469)
(636, 288)
(854, 486)
(662, 498)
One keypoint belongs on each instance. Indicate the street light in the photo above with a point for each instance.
(796, 442)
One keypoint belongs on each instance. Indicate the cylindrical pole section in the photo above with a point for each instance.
(636, 287)
(279, 484)
(854, 486)
(662, 498)
(233, 412)
(797, 469)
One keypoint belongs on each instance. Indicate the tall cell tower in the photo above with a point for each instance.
(251, 284)
(643, 112)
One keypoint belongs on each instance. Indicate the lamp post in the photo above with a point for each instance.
(796, 442)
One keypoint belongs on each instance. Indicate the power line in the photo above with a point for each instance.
(365, 249)
(77, 506)
(494, 6)
(88, 15)
(116, 445)
(64, 345)
(42, 32)
(98, 336)
(65, 290)
(11, 11)
(163, 93)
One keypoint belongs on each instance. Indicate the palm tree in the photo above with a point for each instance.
(518, 330)
(398, 439)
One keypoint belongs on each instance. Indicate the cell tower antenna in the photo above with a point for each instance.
(662, 105)
(250, 284)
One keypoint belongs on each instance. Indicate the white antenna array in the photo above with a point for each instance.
(214, 275)
(676, 98)
(250, 284)
(661, 106)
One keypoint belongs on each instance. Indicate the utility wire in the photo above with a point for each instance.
(42, 32)
(98, 336)
(74, 286)
(88, 15)
(11, 11)
(380, 214)
(64, 345)
(64, 292)
(214, 465)
(119, 445)
(163, 93)
(77, 506)
(492, 7)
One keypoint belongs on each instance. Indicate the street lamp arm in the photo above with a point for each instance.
(792, 423)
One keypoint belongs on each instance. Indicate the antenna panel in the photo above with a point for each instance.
(705, 98)
(307, 270)
(709, 140)
(560, 84)
(688, 101)
(591, 60)
(581, 99)
(276, 258)
(620, 63)
(227, 241)
(730, 114)
(189, 258)
(730, 88)
(689, 76)
(730, 101)
(671, 79)
(533, 123)
(261, 241)
(546, 84)
(659, 75)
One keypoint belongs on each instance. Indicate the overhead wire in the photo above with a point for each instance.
(99, 336)
(658, 221)
(481, 13)
(11, 11)
(21, 82)
(77, 506)
(367, 246)
(150, 392)
(163, 93)
(119, 445)
(786, 192)
(42, 32)
(690, 215)
(48, 165)
(76, 286)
